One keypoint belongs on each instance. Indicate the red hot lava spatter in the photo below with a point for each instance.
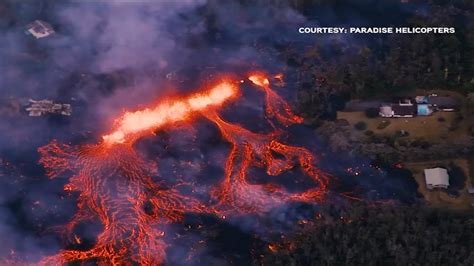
(114, 184)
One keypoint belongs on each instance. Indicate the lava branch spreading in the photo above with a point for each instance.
(252, 149)
(114, 185)
(235, 194)
(275, 106)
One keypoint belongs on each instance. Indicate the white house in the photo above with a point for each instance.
(386, 111)
(436, 178)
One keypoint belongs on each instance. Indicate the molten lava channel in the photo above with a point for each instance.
(114, 184)
(136, 124)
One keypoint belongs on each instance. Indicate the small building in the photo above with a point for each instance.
(424, 109)
(422, 99)
(386, 111)
(397, 110)
(444, 103)
(436, 178)
(404, 110)
(39, 29)
(43, 107)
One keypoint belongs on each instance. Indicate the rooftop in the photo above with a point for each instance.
(436, 177)
(404, 110)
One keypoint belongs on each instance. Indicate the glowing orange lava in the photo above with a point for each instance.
(249, 149)
(115, 187)
(134, 125)
(275, 106)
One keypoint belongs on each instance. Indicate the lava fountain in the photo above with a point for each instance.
(115, 187)
(133, 125)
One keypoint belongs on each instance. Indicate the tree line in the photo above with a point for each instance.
(368, 66)
(381, 235)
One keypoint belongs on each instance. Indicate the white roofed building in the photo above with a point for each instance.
(386, 111)
(39, 29)
(436, 178)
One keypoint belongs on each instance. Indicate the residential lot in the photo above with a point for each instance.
(440, 197)
(436, 127)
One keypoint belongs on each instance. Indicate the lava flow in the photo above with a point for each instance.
(253, 149)
(275, 106)
(132, 126)
(115, 187)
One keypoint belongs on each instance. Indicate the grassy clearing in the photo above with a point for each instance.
(427, 127)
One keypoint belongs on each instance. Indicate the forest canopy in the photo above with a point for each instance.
(383, 235)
